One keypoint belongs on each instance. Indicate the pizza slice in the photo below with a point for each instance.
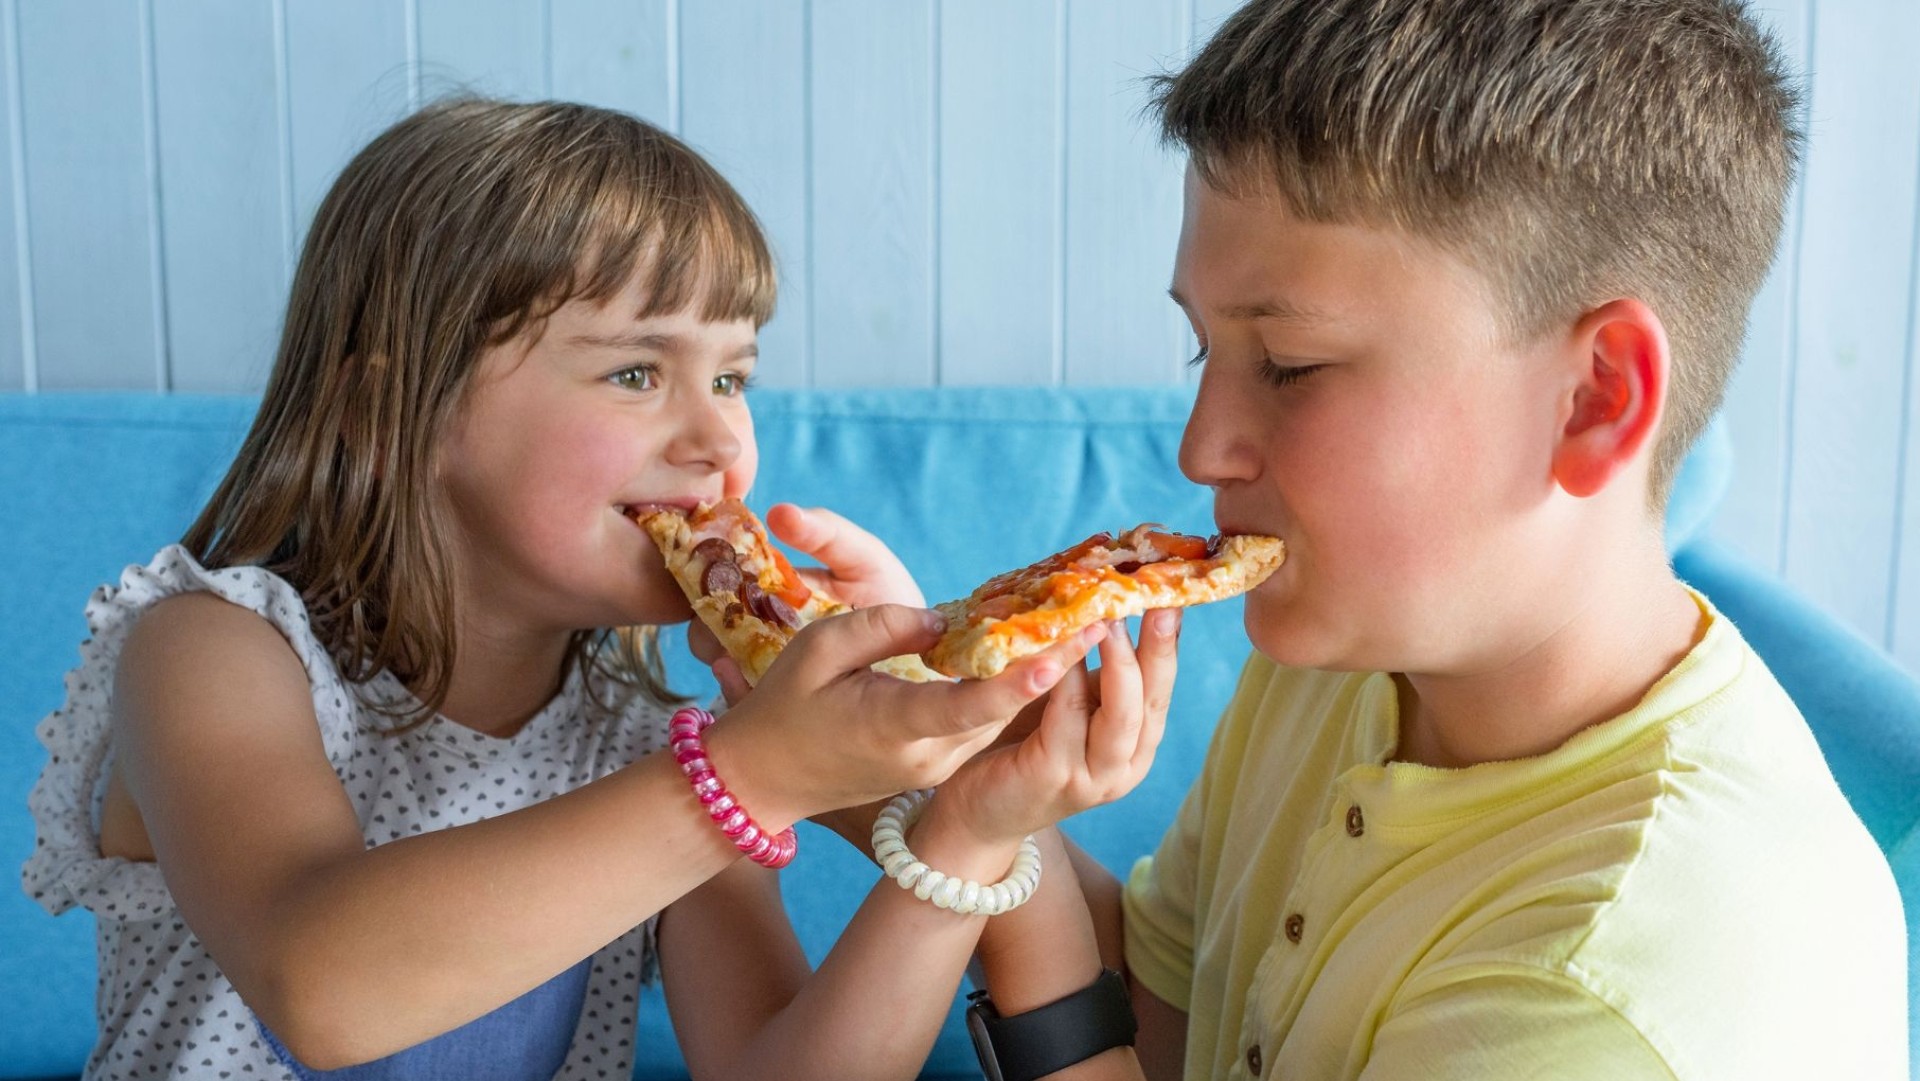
(1103, 577)
(742, 588)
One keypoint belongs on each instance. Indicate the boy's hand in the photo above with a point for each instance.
(1093, 744)
(823, 731)
(859, 568)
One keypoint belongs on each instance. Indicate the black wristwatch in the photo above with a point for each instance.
(1095, 1018)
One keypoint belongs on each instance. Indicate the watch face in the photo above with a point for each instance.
(983, 1045)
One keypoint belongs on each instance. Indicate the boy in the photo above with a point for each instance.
(1498, 796)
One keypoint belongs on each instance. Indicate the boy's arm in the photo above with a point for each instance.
(1057, 943)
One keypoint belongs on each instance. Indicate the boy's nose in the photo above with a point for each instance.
(1214, 448)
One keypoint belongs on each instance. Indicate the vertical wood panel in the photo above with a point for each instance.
(1903, 632)
(744, 105)
(1854, 290)
(619, 54)
(1123, 195)
(347, 78)
(1758, 407)
(492, 47)
(873, 263)
(13, 236)
(1000, 195)
(224, 246)
(84, 81)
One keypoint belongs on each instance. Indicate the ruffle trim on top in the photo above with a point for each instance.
(66, 868)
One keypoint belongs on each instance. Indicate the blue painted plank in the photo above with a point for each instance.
(13, 239)
(618, 53)
(492, 47)
(1123, 195)
(348, 77)
(743, 105)
(1758, 405)
(90, 193)
(1847, 397)
(221, 191)
(1000, 193)
(872, 176)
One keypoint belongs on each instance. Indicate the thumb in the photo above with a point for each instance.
(862, 636)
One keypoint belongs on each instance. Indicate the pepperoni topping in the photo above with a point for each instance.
(715, 550)
(768, 607)
(723, 576)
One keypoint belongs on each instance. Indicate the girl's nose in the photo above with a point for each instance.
(704, 437)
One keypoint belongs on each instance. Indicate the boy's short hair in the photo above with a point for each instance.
(1574, 150)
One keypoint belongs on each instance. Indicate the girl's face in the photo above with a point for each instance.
(567, 426)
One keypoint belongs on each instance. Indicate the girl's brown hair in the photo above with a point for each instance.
(459, 227)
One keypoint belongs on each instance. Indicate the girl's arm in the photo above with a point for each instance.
(215, 737)
(876, 1004)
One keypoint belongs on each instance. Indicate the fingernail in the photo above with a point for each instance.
(1093, 633)
(1166, 621)
(1046, 675)
(934, 620)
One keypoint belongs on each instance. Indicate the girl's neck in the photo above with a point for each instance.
(500, 682)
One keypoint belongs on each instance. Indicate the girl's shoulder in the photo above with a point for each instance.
(220, 613)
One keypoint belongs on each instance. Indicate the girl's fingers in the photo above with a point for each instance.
(1062, 736)
(973, 703)
(733, 682)
(848, 551)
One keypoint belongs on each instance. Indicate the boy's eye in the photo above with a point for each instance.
(638, 377)
(1198, 358)
(1282, 375)
(731, 385)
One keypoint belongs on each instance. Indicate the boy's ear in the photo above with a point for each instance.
(1619, 395)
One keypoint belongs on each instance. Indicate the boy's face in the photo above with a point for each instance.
(1359, 401)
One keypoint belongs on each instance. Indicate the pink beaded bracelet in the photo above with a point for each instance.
(763, 848)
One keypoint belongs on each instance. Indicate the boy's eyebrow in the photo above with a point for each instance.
(1265, 309)
(666, 343)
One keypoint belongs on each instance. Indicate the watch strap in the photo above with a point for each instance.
(1096, 1018)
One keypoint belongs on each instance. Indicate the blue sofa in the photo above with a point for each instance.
(962, 482)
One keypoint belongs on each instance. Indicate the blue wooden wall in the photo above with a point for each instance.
(959, 191)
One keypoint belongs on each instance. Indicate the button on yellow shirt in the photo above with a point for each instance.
(1680, 892)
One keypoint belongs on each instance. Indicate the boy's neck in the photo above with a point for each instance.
(1597, 666)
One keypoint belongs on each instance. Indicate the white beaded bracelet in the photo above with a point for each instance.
(957, 894)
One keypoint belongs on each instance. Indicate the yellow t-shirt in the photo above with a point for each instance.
(1679, 892)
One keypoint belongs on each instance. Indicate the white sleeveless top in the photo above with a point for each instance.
(165, 1010)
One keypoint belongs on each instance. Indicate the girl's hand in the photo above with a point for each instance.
(859, 568)
(822, 731)
(1093, 744)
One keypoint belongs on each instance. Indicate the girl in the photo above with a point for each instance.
(356, 779)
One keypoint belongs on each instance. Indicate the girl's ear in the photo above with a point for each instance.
(1619, 395)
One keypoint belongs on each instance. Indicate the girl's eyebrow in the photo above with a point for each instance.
(661, 342)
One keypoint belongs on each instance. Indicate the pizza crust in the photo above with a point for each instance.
(1082, 586)
(753, 634)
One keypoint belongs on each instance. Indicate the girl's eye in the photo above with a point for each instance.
(638, 377)
(1281, 375)
(732, 384)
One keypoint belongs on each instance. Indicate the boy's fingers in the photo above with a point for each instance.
(1159, 655)
(1115, 732)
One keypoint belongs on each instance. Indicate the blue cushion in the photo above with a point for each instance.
(962, 482)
